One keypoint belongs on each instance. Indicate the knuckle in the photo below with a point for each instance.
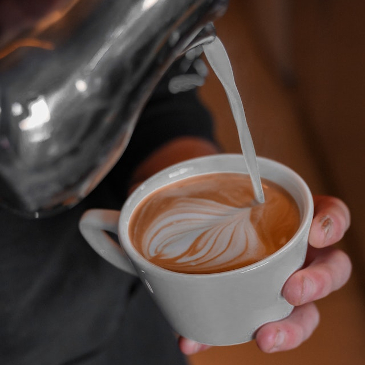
(332, 273)
(311, 321)
(314, 315)
(342, 270)
(339, 226)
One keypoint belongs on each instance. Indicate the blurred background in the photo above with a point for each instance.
(299, 67)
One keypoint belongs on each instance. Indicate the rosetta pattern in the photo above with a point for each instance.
(202, 234)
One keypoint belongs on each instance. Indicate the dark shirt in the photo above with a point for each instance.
(60, 303)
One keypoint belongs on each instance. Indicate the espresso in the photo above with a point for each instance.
(212, 223)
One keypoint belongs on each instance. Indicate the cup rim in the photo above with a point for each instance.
(123, 234)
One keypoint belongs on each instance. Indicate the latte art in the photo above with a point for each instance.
(211, 223)
(203, 233)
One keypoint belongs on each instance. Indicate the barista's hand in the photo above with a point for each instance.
(326, 269)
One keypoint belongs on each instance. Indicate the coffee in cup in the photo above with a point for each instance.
(211, 223)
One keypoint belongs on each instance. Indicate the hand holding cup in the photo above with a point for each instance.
(326, 269)
(219, 308)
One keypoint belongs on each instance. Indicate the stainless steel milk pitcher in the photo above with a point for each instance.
(75, 75)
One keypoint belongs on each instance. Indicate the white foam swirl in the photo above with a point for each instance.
(202, 232)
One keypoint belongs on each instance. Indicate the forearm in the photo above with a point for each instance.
(176, 150)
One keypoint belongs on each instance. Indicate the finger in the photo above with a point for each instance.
(190, 347)
(330, 222)
(290, 332)
(329, 271)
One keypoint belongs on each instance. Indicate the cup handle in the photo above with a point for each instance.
(93, 226)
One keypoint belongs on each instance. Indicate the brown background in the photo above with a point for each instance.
(300, 69)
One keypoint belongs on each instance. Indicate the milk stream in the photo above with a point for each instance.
(219, 61)
(196, 233)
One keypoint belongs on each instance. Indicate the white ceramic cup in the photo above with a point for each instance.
(217, 309)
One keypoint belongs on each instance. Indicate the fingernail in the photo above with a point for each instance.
(327, 223)
(279, 340)
(193, 347)
(307, 290)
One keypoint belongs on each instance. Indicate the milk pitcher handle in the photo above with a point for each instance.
(93, 226)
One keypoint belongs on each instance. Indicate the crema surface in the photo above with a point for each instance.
(211, 223)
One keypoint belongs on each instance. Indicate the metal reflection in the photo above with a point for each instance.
(75, 74)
